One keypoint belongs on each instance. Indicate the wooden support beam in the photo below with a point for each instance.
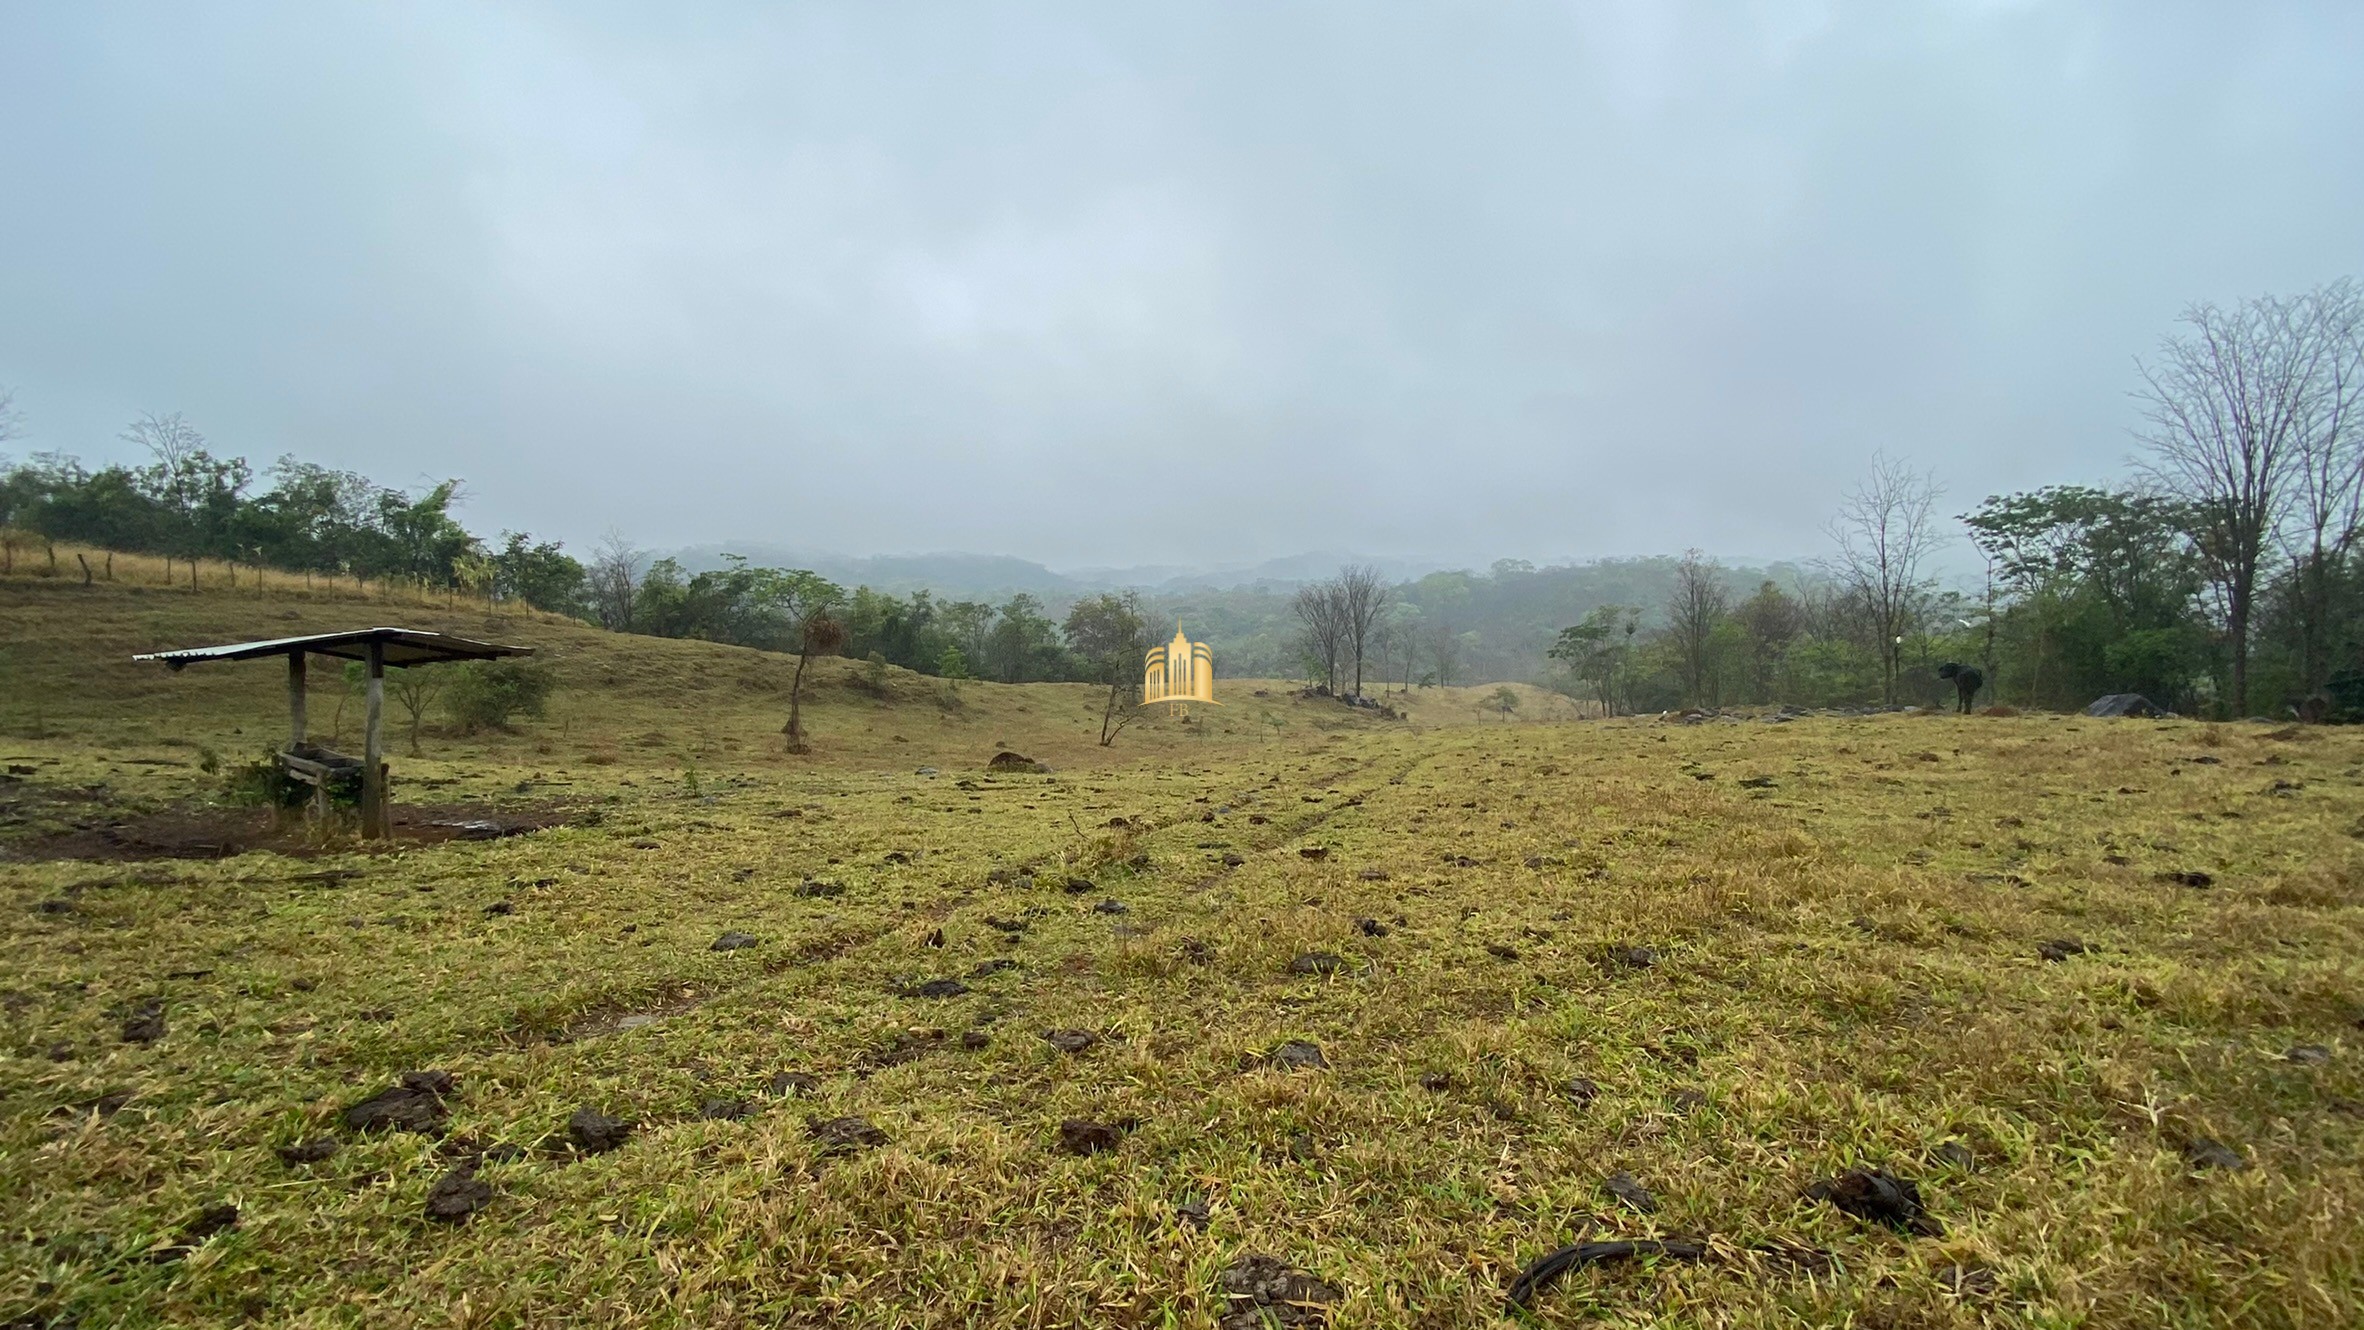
(295, 699)
(373, 772)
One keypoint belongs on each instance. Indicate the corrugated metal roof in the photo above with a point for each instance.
(403, 646)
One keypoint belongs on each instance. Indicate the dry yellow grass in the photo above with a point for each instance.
(1846, 918)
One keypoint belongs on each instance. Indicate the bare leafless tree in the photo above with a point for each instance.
(1885, 532)
(2327, 472)
(614, 576)
(1320, 608)
(1694, 610)
(2231, 405)
(1362, 597)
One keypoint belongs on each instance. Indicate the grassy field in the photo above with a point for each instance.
(2093, 987)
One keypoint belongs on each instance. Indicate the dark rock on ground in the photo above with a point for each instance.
(726, 1110)
(1317, 962)
(974, 1039)
(501, 907)
(1370, 927)
(733, 941)
(1112, 907)
(414, 1103)
(1502, 953)
(1686, 1101)
(1233, 860)
(595, 1133)
(940, 988)
(789, 1083)
(1878, 1197)
(1629, 956)
(1194, 1213)
(1313, 851)
(2203, 1152)
(2061, 948)
(2189, 877)
(1014, 762)
(1297, 1055)
(2313, 1055)
(1372, 875)
(1581, 1091)
(2121, 704)
(1070, 1041)
(1263, 1291)
(1954, 1154)
(457, 1195)
(1081, 1136)
(308, 1152)
(146, 1025)
(1437, 1082)
(1080, 886)
(820, 890)
(993, 967)
(1626, 1189)
(846, 1135)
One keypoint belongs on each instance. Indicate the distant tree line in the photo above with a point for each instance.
(2222, 576)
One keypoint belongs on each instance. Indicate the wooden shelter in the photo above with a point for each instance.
(377, 647)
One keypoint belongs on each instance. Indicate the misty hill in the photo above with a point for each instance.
(958, 575)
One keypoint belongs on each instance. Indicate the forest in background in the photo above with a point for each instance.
(2222, 576)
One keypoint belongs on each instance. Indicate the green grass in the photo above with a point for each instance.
(1847, 974)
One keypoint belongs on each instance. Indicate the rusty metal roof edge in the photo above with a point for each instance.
(453, 647)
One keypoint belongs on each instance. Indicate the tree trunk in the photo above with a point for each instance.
(795, 727)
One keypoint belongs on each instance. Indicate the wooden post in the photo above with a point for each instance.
(373, 774)
(295, 700)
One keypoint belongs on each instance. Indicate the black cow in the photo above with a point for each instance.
(1967, 681)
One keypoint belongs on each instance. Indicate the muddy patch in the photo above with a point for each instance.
(95, 829)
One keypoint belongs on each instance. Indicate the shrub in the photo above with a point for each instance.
(487, 694)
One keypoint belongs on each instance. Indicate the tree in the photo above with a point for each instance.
(1593, 651)
(1321, 613)
(614, 578)
(1770, 621)
(1694, 611)
(820, 633)
(2232, 406)
(1361, 598)
(1444, 650)
(1108, 632)
(12, 421)
(1504, 701)
(1885, 533)
(2327, 475)
(416, 689)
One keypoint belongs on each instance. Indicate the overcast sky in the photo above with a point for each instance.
(1106, 284)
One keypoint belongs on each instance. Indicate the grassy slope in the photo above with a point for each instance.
(1847, 973)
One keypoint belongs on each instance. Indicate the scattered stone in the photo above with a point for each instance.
(814, 890)
(1369, 927)
(1297, 1055)
(2061, 948)
(2309, 1055)
(846, 1135)
(1013, 927)
(1263, 1291)
(1372, 875)
(595, 1133)
(973, 1040)
(1080, 1136)
(793, 1084)
(308, 1152)
(1581, 1091)
(992, 967)
(1070, 1041)
(1756, 782)
(1954, 1154)
(2189, 877)
(1502, 953)
(414, 1103)
(146, 1025)
(726, 1110)
(1313, 851)
(61, 1051)
(1437, 1082)
(1080, 886)
(1687, 1101)
(1194, 1214)
(2203, 1152)
(733, 941)
(457, 1195)
(1317, 962)
(1008, 761)
(939, 988)
(1879, 1197)
(1629, 956)
(1544, 1271)
(209, 1221)
(1233, 860)
(1112, 907)
(1626, 1189)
